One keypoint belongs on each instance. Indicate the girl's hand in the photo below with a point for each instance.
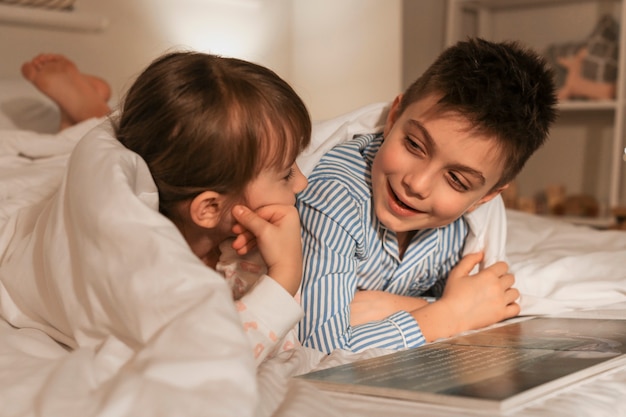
(275, 230)
(244, 242)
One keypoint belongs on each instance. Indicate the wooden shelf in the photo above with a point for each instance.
(516, 4)
(72, 21)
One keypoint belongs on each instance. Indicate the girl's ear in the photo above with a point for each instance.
(487, 198)
(206, 209)
(392, 116)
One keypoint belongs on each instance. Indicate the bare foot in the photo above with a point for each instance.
(79, 96)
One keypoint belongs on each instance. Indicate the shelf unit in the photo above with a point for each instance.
(72, 21)
(573, 22)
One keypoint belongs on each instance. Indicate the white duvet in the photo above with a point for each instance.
(171, 342)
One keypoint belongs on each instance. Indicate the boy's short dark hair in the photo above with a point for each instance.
(505, 90)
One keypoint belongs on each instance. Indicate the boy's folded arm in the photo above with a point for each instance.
(372, 305)
(398, 331)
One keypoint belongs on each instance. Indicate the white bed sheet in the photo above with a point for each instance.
(558, 266)
(22, 106)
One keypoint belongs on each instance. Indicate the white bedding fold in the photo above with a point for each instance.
(32, 165)
(103, 272)
(560, 266)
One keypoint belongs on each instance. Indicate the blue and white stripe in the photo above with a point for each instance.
(346, 249)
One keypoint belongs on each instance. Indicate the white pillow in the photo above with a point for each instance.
(23, 107)
(328, 133)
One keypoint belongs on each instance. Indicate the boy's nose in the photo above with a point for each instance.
(418, 184)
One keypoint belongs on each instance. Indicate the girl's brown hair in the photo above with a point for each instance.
(204, 122)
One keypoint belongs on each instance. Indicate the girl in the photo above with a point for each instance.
(111, 260)
(220, 137)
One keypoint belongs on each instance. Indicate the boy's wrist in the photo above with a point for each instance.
(437, 320)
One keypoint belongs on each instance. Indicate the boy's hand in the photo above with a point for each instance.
(275, 229)
(470, 302)
(484, 298)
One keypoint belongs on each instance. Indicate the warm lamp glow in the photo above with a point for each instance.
(227, 27)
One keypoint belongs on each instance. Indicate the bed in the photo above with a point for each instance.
(163, 358)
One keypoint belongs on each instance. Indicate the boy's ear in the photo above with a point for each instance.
(487, 198)
(206, 209)
(392, 116)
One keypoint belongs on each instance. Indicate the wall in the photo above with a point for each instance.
(140, 30)
(346, 53)
(339, 55)
(423, 39)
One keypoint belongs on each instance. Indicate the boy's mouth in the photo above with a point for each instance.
(399, 202)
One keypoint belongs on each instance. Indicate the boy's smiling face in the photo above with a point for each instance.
(431, 168)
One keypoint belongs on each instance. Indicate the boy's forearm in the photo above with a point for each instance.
(372, 305)
(398, 331)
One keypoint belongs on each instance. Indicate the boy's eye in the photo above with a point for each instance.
(457, 183)
(413, 145)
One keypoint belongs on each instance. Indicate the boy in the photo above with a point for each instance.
(382, 215)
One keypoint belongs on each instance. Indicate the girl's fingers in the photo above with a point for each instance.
(244, 243)
(249, 220)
